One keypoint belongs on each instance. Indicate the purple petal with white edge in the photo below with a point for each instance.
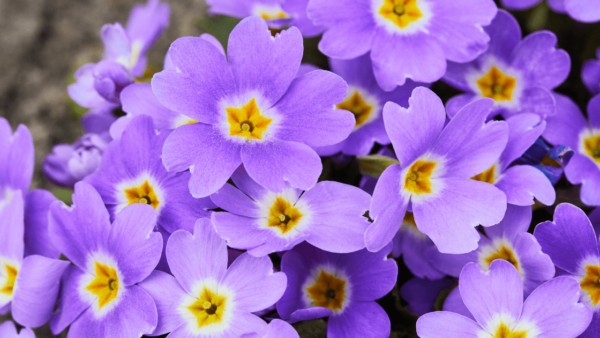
(593, 109)
(590, 75)
(37, 237)
(116, 42)
(414, 130)
(555, 310)
(261, 62)
(385, 226)
(516, 220)
(8, 329)
(499, 290)
(135, 316)
(233, 200)
(373, 275)
(70, 303)
(450, 218)
(81, 229)
(133, 242)
(275, 164)
(343, 20)
(461, 36)
(537, 266)
(307, 110)
(505, 34)
(564, 126)
(584, 11)
(569, 239)
(536, 100)
(360, 320)
(37, 287)
(456, 103)
(338, 224)
(278, 328)
(12, 230)
(16, 156)
(537, 57)
(193, 258)
(470, 145)
(523, 183)
(523, 131)
(446, 324)
(255, 285)
(195, 147)
(203, 78)
(416, 50)
(167, 293)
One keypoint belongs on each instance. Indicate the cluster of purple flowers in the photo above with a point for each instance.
(201, 207)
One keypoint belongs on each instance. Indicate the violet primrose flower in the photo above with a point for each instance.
(329, 216)
(251, 108)
(495, 301)
(100, 295)
(343, 287)
(433, 178)
(571, 242)
(518, 74)
(402, 36)
(206, 298)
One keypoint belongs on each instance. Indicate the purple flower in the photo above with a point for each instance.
(365, 100)
(277, 13)
(509, 241)
(98, 86)
(343, 287)
(28, 285)
(206, 298)
(519, 75)
(8, 329)
(16, 158)
(328, 216)
(590, 74)
(403, 35)
(423, 295)
(100, 295)
(131, 172)
(69, 164)
(569, 127)
(252, 109)
(495, 301)
(571, 242)
(433, 178)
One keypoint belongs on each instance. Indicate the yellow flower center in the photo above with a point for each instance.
(105, 285)
(209, 308)
(488, 176)
(591, 146)
(274, 15)
(401, 12)
(328, 291)
(418, 177)
(283, 215)
(497, 85)
(247, 122)
(9, 280)
(357, 105)
(143, 194)
(504, 331)
(499, 250)
(590, 283)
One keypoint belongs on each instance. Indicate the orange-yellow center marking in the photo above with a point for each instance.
(247, 122)
(11, 277)
(208, 309)
(497, 85)
(357, 105)
(401, 12)
(591, 146)
(328, 291)
(488, 176)
(418, 177)
(283, 215)
(105, 285)
(144, 194)
(504, 331)
(590, 283)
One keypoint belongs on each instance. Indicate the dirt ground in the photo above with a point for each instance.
(41, 45)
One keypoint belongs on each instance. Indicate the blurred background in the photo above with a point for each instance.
(43, 42)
